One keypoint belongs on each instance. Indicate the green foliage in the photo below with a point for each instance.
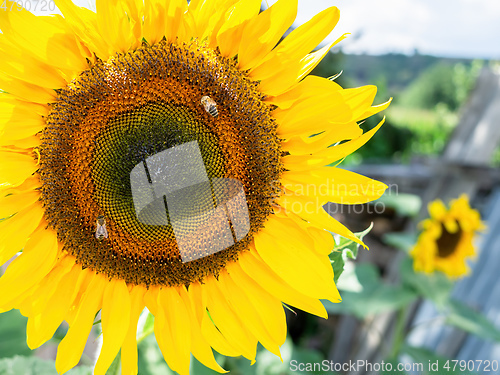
(429, 128)
(402, 241)
(115, 367)
(19, 365)
(390, 141)
(403, 204)
(441, 84)
(435, 287)
(13, 334)
(374, 297)
(432, 363)
(345, 249)
(470, 320)
(428, 92)
(151, 360)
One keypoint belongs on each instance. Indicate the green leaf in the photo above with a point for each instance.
(349, 246)
(115, 368)
(338, 264)
(344, 249)
(374, 297)
(435, 286)
(472, 321)
(401, 241)
(13, 334)
(429, 362)
(36, 366)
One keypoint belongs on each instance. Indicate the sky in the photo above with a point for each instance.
(451, 28)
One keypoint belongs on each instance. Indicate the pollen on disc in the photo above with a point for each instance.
(121, 114)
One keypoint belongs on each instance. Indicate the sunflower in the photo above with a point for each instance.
(447, 238)
(160, 155)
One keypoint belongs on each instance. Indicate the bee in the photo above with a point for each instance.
(210, 105)
(101, 231)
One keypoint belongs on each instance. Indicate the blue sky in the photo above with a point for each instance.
(454, 28)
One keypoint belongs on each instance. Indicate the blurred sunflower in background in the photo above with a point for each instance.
(89, 96)
(447, 238)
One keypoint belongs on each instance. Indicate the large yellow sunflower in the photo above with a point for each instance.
(447, 238)
(195, 108)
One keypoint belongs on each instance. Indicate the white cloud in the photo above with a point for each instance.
(462, 28)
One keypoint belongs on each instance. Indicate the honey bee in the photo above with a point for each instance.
(101, 231)
(210, 105)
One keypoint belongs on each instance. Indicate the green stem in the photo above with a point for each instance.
(145, 334)
(399, 333)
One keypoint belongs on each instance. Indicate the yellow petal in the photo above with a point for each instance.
(208, 16)
(199, 346)
(309, 87)
(115, 315)
(11, 204)
(26, 68)
(299, 145)
(313, 115)
(211, 334)
(304, 207)
(259, 271)
(173, 18)
(242, 306)
(330, 154)
(359, 99)
(42, 326)
(22, 225)
(114, 25)
(374, 109)
(26, 91)
(129, 356)
(154, 21)
(151, 299)
(298, 43)
(437, 209)
(28, 269)
(323, 240)
(83, 22)
(40, 293)
(236, 18)
(71, 347)
(262, 33)
(227, 321)
(331, 184)
(46, 38)
(267, 307)
(305, 271)
(172, 330)
(15, 167)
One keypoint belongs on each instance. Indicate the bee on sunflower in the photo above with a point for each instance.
(447, 238)
(95, 108)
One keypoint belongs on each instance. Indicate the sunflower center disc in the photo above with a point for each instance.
(447, 243)
(144, 182)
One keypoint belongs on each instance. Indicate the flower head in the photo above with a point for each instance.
(447, 238)
(160, 154)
